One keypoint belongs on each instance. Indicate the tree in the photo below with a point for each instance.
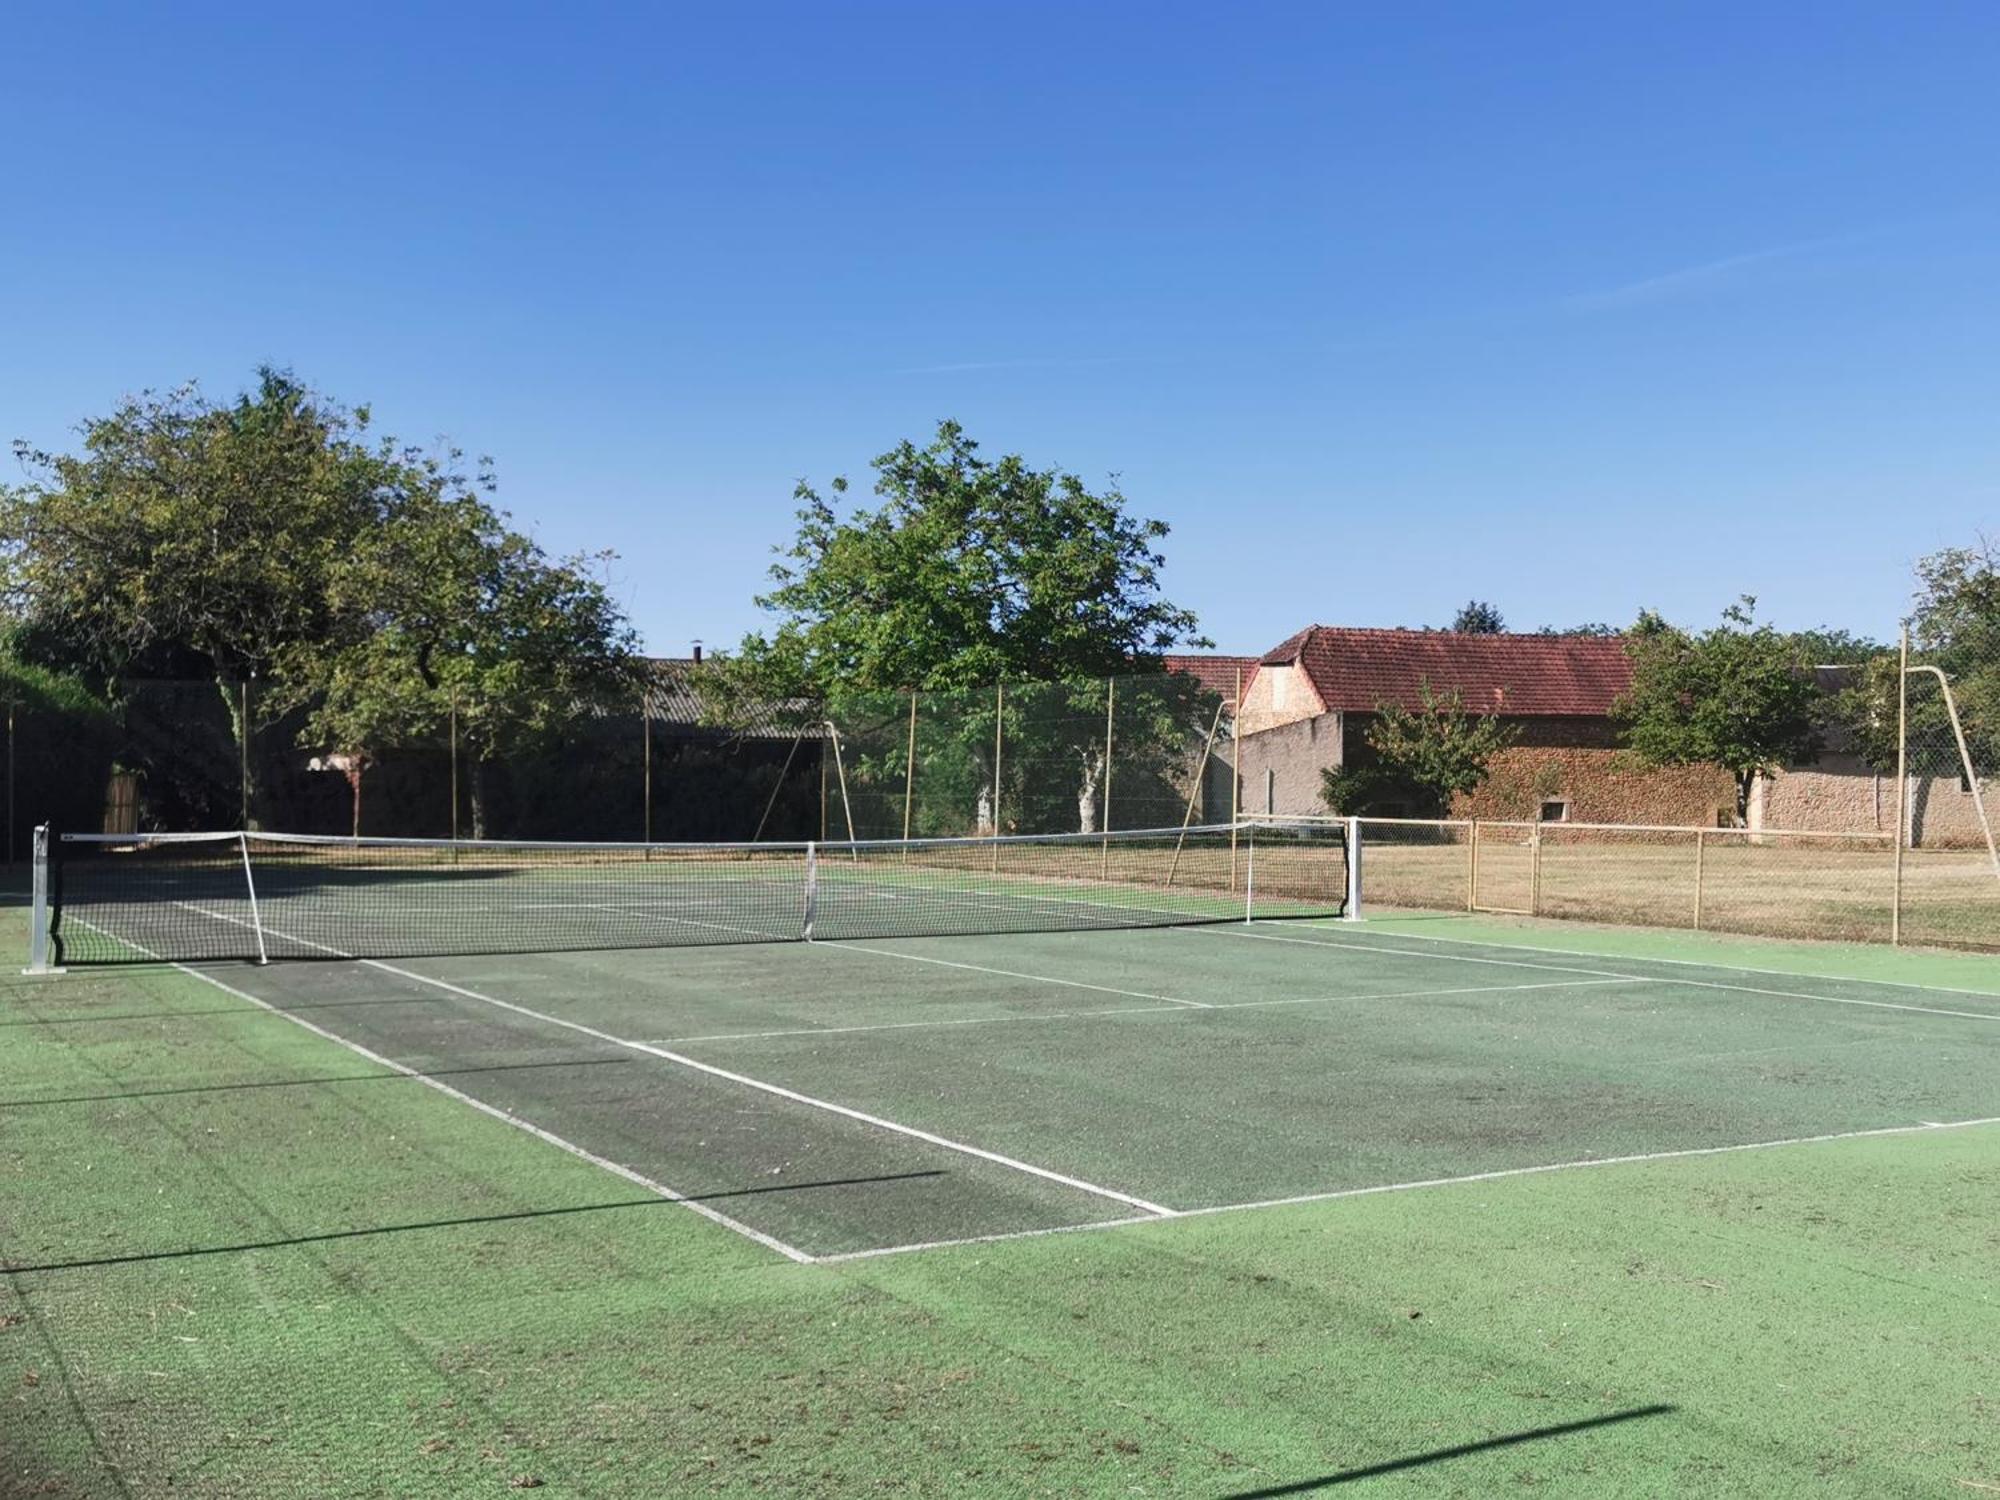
(1477, 617)
(190, 537)
(471, 628)
(971, 572)
(1420, 757)
(1740, 695)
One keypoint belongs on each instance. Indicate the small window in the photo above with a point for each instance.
(1270, 790)
(1555, 812)
(1725, 817)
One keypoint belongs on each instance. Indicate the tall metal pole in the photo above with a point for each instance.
(1235, 771)
(910, 768)
(1902, 780)
(10, 781)
(243, 746)
(999, 718)
(454, 765)
(1104, 820)
(646, 719)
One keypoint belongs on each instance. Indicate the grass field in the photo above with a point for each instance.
(1588, 1213)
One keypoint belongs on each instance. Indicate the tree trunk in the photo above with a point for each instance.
(983, 816)
(1745, 780)
(1086, 794)
(354, 789)
(478, 790)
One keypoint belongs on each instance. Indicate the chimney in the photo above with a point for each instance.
(697, 653)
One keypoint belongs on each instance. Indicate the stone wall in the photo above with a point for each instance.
(1281, 765)
(1843, 794)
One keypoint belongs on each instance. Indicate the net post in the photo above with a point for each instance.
(1352, 911)
(38, 920)
(250, 885)
(812, 888)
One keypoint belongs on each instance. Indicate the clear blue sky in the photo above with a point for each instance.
(1574, 308)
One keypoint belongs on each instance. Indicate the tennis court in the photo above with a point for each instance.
(1074, 1167)
(1151, 1058)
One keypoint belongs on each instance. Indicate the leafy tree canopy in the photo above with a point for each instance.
(190, 537)
(970, 571)
(1420, 758)
(368, 585)
(1739, 695)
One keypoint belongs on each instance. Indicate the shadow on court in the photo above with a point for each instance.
(653, 1201)
(1443, 1455)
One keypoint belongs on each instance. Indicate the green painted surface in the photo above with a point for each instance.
(391, 1293)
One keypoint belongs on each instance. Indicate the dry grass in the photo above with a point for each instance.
(1771, 885)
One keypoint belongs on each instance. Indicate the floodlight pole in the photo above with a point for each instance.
(1902, 781)
(1965, 759)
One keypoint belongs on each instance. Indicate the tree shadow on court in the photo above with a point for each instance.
(1443, 1455)
(8, 1268)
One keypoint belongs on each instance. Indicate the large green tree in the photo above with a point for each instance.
(366, 585)
(470, 629)
(969, 572)
(1739, 695)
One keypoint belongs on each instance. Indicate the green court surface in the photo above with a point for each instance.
(1271, 1208)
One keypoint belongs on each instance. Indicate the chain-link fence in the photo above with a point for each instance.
(1144, 751)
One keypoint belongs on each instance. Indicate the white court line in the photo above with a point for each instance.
(1341, 945)
(1423, 1183)
(779, 1090)
(1129, 1010)
(1075, 984)
(547, 1137)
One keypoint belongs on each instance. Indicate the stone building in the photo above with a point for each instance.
(1311, 699)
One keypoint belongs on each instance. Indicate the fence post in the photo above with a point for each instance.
(243, 746)
(646, 759)
(454, 764)
(1235, 771)
(1535, 871)
(10, 781)
(1104, 819)
(1902, 782)
(910, 768)
(1472, 871)
(1700, 840)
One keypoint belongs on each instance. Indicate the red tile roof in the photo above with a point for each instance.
(1356, 671)
(1218, 674)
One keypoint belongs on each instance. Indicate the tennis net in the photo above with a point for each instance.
(257, 896)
